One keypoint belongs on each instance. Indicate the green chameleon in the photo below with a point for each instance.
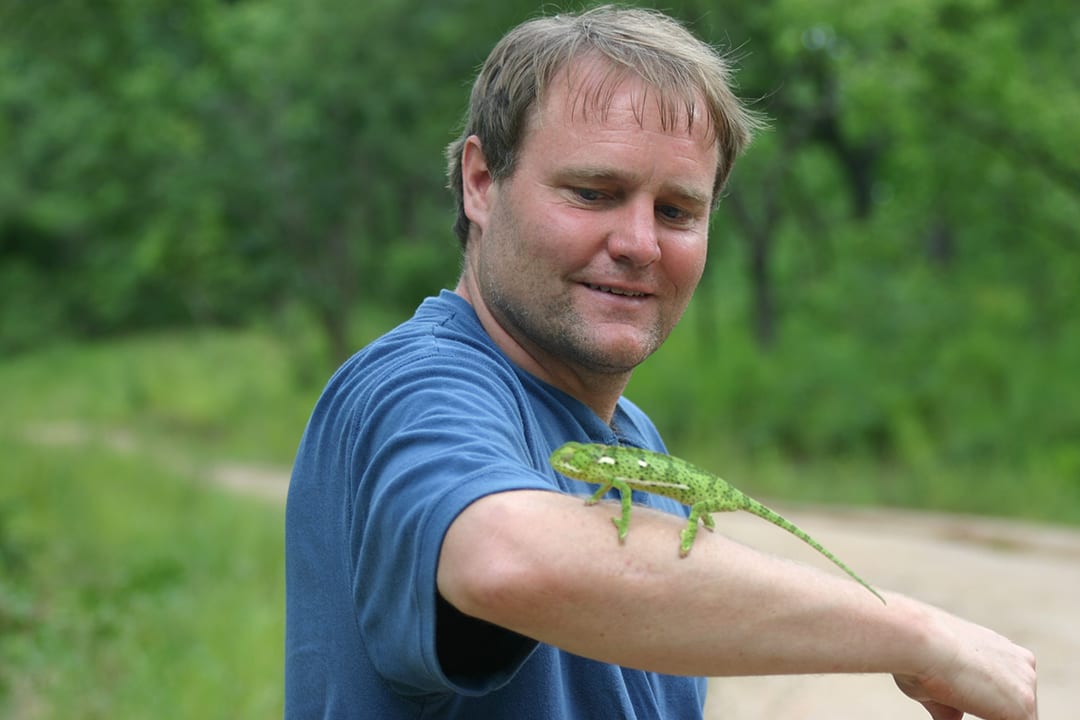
(630, 468)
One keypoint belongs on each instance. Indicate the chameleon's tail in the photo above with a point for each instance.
(762, 511)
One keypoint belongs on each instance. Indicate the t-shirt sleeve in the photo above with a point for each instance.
(434, 437)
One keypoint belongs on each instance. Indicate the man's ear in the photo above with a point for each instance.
(476, 183)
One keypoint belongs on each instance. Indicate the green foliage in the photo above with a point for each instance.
(893, 271)
(335, 143)
(105, 206)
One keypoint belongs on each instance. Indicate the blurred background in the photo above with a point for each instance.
(206, 206)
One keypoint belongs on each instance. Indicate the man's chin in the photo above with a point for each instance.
(620, 357)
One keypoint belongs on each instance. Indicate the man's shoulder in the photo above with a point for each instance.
(442, 325)
(442, 351)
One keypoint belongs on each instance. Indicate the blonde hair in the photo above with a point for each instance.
(645, 43)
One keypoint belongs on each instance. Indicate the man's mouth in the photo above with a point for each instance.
(615, 291)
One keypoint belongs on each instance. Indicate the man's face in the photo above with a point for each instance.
(587, 255)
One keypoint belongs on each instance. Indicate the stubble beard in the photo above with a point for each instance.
(557, 329)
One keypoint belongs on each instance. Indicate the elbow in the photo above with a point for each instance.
(492, 565)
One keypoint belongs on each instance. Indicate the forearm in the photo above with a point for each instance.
(548, 567)
(544, 565)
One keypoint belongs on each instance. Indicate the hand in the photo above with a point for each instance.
(987, 676)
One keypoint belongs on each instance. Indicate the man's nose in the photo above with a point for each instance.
(635, 237)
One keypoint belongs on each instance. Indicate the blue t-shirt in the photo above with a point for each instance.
(410, 431)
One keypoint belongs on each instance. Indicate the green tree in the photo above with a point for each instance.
(106, 216)
(899, 124)
(343, 112)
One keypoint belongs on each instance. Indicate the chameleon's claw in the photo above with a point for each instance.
(595, 497)
(623, 527)
(687, 537)
(690, 531)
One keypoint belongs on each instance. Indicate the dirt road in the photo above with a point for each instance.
(1020, 579)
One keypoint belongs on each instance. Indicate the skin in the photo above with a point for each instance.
(540, 240)
(592, 206)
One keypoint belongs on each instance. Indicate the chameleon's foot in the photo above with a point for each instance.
(596, 496)
(623, 527)
(687, 538)
(690, 531)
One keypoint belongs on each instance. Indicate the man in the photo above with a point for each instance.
(436, 566)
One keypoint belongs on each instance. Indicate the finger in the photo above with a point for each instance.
(942, 712)
(938, 711)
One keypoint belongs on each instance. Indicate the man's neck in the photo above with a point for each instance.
(599, 391)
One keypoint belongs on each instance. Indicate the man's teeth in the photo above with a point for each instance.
(615, 291)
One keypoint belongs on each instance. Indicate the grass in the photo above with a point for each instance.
(129, 591)
(234, 395)
(129, 587)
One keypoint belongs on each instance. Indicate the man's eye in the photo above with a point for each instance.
(589, 195)
(674, 214)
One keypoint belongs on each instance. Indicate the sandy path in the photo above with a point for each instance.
(1022, 580)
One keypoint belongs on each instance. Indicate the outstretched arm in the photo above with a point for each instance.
(544, 565)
